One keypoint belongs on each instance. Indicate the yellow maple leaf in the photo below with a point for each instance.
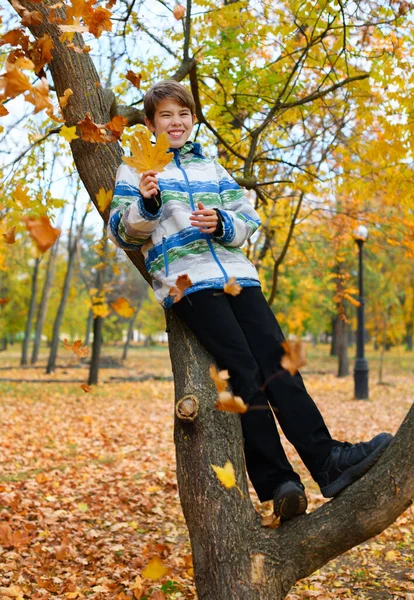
(100, 310)
(123, 308)
(20, 195)
(103, 198)
(69, 133)
(145, 156)
(155, 569)
(226, 475)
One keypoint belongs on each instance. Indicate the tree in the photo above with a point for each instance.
(234, 557)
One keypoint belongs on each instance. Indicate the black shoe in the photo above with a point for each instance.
(348, 462)
(289, 500)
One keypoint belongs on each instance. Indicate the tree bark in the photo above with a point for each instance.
(342, 346)
(96, 351)
(334, 346)
(41, 314)
(29, 323)
(234, 557)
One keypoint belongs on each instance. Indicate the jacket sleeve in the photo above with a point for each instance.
(131, 222)
(239, 220)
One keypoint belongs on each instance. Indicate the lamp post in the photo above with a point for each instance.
(361, 364)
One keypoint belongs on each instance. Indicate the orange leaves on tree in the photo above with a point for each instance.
(134, 78)
(42, 232)
(97, 134)
(182, 283)
(10, 236)
(76, 347)
(179, 11)
(294, 357)
(63, 100)
(232, 287)
(123, 308)
(148, 157)
(155, 569)
(226, 400)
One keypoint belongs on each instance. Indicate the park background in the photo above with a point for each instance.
(309, 106)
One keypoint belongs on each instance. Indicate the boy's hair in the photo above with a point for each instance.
(167, 89)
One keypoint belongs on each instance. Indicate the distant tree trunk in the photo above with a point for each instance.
(97, 320)
(72, 246)
(342, 347)
(42, 310)
(334, 346)
(409, 337)
(89, 324)
(130, 332)
(3, 344)
(32, 304)
(96, 350)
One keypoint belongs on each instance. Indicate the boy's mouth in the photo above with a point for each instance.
(175, 134)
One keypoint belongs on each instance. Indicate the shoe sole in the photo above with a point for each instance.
(355, 472)
(290, 506)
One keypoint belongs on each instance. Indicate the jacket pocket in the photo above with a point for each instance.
(165, 253)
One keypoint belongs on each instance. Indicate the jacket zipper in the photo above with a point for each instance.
(165, 253)
(209, 242)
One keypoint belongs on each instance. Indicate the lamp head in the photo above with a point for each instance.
(361, 234)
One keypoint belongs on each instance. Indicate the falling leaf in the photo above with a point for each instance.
(68, 133)
(116, 126)
(76, 347)
(103, 199)
(63, 100)
(15, 37)
(226, 475)
(179, 11)
(86, 388)
(182, 283)
(294, 356)
(41, 52)
(155, 569)
(3, 110)
(99, 21)
(14, 82)
(33, 18)
(220, 378)
(100, 309)
(232, 287)
(123, 308)
(42, 232)
(39, 96)
(4, 301)
(76, 28)
(10, 236)
(79, 50)
(134, 78)
(91, 132)
(226, 401)
(21, 195)
(145, 156)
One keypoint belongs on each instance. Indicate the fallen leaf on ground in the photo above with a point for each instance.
(155, 569)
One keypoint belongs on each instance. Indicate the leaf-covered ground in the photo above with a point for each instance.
(88, 497)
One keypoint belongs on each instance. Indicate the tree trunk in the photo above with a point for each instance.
(409, 337)
(130, 332)
(89, 324)
(234, 557)
(96, 350)
(41, 314)
(32, 304)
(342, 347)
(334, 346)
(51, 363)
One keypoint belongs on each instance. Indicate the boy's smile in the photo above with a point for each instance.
(173, 118)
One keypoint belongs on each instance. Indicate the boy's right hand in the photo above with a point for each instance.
(149, 185)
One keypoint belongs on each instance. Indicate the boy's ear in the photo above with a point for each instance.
(150, 125)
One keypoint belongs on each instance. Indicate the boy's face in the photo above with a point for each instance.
(176, 120)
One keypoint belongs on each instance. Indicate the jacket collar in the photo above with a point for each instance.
(193, 147)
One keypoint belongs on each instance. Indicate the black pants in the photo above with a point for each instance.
(243, 336)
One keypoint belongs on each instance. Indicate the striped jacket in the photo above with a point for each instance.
(170, 244)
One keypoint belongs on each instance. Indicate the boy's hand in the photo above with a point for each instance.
(205, 219)
(149, 185)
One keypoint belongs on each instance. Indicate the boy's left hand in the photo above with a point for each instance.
(205, 219)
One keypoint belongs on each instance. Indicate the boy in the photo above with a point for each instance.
(192, 219)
